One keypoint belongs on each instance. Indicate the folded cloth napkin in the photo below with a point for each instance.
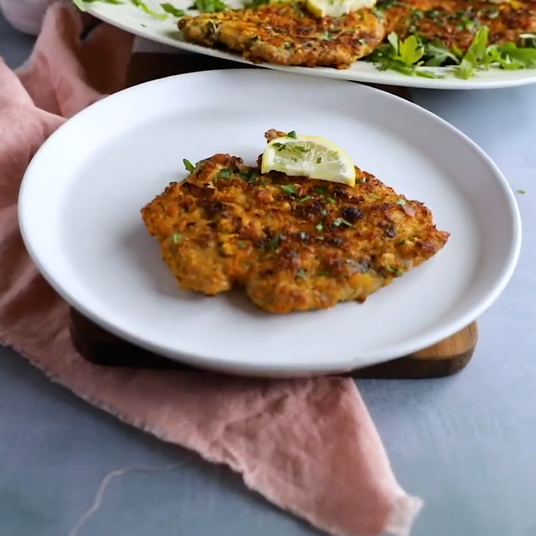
(308, 446)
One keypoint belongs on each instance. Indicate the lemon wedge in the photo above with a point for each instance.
(336, 8)
(308, 156)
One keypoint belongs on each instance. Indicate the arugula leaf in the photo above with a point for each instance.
(172, 10)
(475, 55)
(438, 54)
(410, 51)
(210, 6)
(410, 55)
(405, 56)
(507, 56)
(146, 9)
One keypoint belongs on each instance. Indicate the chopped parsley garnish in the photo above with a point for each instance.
(394, 270)
(415, 57)
(319, 160)
(292, 134)
(304, 199)
(177, 237)
(209, 6)
(274, 243)
(521, 192)
(401, 202)
(188, 165)
(321, 190)
(241, 245)
(249, 175)
(225, 173)
(172, 10)
(146, 9)
(330, 199)
(289, 189)
(341, 221)
(319, 227)
(301, 274)
(323, 273)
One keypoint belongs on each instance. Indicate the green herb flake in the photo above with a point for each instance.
(225, 173)
(401, 202)
(341, 222)
(188, 165)
(177, 237)
(330, 200)
(289, 189)
(521, 192)
(323, 273)
(241, 245)
(172, 10)
(274, 243)
(319, 160)
(301, 274)
(292, 134)
(304, 199)
(146, 9)
(249, 175)
(394, 270)
(319, 227)
(321, 190)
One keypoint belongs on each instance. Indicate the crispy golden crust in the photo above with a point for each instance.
(293, 243)
(455, 22)
(284, 34)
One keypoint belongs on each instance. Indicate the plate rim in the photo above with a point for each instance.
(238, 366)
(395, 79)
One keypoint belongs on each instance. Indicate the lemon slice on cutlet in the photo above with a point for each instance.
(308, 156)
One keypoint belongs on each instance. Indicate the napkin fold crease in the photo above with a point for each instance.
(309, 446)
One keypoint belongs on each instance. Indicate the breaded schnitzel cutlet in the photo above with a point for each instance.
(293, 243)
(284, 34)
(455, 22)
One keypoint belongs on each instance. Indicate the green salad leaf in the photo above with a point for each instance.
(146, 9)
(80, 4)
(411, 56)
(407, 56)
(209, 6)
(172, 10)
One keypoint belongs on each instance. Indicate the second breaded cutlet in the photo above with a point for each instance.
(294, 244)
(285, 34)
(456, 22)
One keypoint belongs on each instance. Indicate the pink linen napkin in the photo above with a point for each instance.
(309, 446)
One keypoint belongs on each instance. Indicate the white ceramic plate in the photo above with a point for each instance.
(80, 203)
(134, 20)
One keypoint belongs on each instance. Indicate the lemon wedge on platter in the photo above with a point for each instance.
(336, 8)
(308, 156)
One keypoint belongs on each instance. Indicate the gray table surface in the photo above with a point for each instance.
(466, 444)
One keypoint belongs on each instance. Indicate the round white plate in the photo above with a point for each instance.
(134, 20)
(80, 202)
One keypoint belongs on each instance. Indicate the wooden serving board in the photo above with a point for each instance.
(101, 348)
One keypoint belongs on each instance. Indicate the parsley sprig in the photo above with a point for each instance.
(415, 57)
